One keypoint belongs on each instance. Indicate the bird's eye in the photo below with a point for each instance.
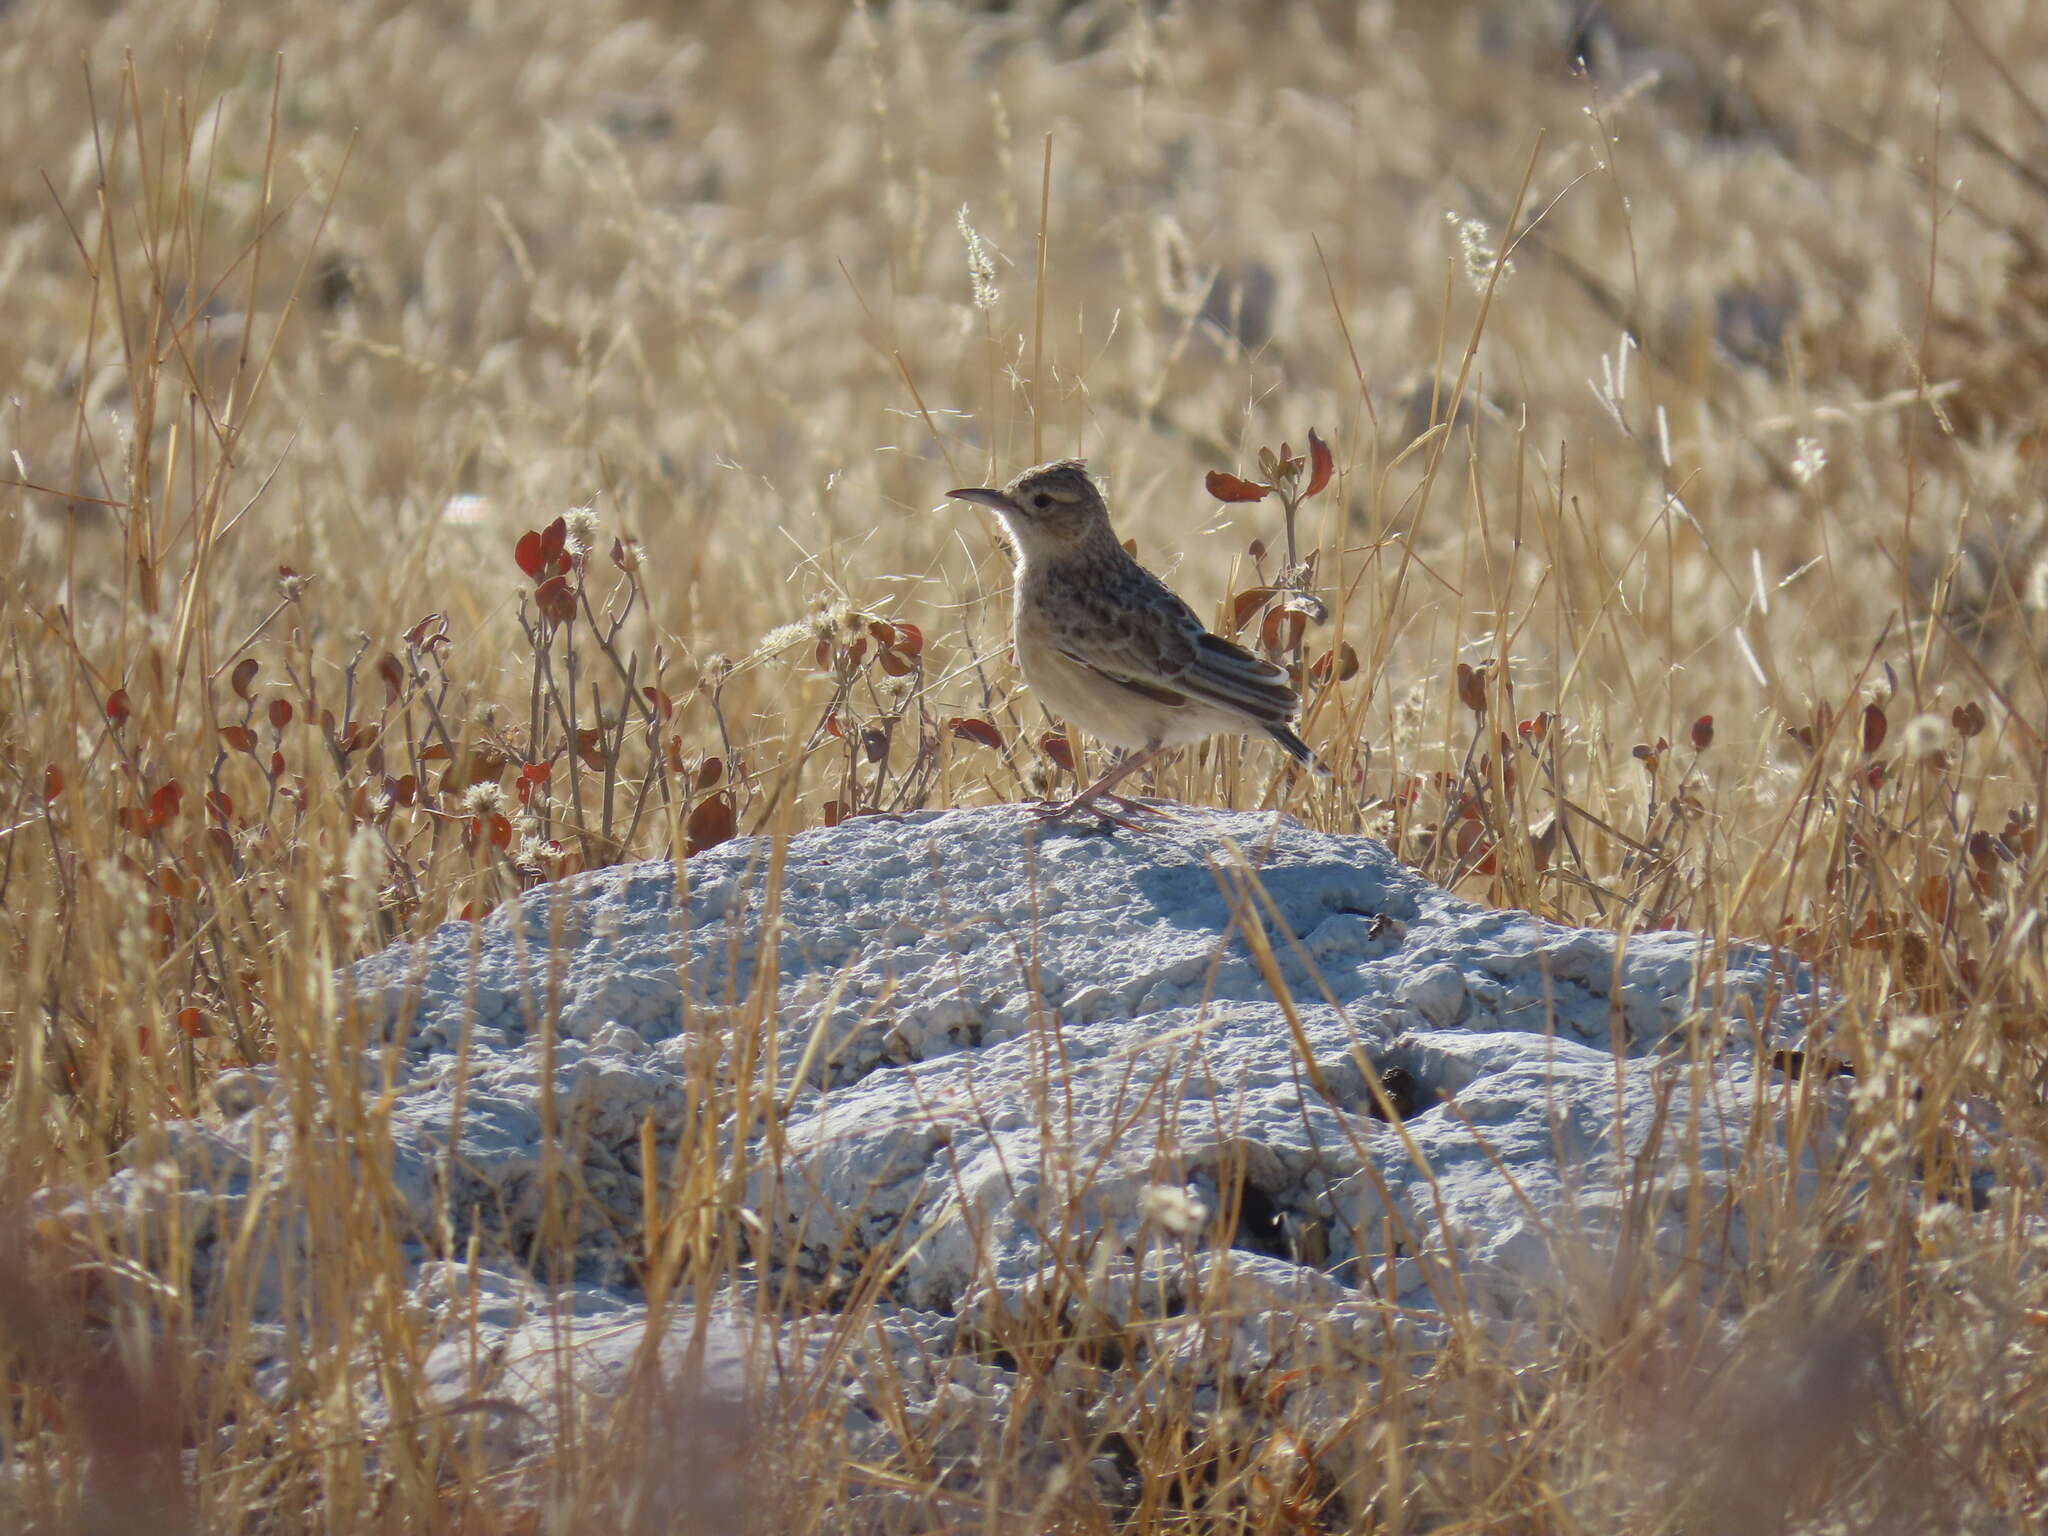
(1041, 501)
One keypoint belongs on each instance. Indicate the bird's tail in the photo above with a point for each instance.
(1296, 747)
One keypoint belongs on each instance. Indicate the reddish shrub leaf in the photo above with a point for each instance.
(1322, 464)
(528, 553)
(53, 782)
(590, 747)
(1472, 688)
(163, 805)
(1874, 727)
(1341, 663)
(436, 752)
(221, 804)
(553, 540)
(280, 714)
(192, 1024)
(894, 662)
(910, 639)
(239, 737)
(835, 813)
(1245, 606)
(276, 764)
(243, 675)
(556, 600)
(132, 818)
(981, 732)
(714, 821)
(659, 701)
(118, 707)
(1968, 719)
(1282, 629)
(389, 668)
(1703, 733)
(875, 744)
(1058, 748)
(709, 772)
(1227, 487)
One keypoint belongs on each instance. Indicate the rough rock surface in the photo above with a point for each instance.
(978, 1029)
(984, 1049)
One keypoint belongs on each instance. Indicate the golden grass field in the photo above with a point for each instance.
(1707, 379)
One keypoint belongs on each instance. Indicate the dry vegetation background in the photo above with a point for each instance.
(311, 312)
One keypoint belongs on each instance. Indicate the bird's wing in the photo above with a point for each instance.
(1155, 646)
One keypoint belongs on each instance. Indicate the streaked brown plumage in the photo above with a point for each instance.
(1107, 647)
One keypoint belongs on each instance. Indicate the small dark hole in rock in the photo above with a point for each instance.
(1259, 1228)
(1403, 1092)
(1793, 1065)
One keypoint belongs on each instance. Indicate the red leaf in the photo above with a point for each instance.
(709, 772)
(239, 737)
(1322, 464)
(1246, 605)
(118, 708)
(1968, 719)
(243, 675)
(714, 821)
(1226, 487)
(498, 828)
(662, 705)
(280, 714)
(590, 747)
(163, 805)
(53, 782)
(1703, 733)
(553, 539)
(192, 1023)
(528, 553)
(132, 818)
(1282, 629)
(556, 600)
(1058, 748)
(894, 663)
(276, 764)
(910, 639)
(980, 732)
(393, 673)
(436, 752)
(1874, 727)
(1344, 661)
(221, 804)
(835, 813)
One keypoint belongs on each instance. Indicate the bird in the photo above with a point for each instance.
(1106, 645)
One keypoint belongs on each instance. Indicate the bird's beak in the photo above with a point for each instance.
(989, 498)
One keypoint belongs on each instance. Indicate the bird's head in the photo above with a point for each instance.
(1049, 509)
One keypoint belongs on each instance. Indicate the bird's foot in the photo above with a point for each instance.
(1110, 810)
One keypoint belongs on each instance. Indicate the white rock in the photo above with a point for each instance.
(1007, 1034)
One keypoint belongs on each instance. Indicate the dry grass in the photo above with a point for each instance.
(367, 290)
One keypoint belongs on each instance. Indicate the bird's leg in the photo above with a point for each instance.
(1100, 789)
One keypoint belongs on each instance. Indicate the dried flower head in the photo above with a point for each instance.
(482, 798)
(1475, 244)
(981, 267)
(1808, 460)
(1171, 1208)
(580, 525)
(1925, 737)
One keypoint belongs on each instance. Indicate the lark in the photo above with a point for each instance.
(1107, 647)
